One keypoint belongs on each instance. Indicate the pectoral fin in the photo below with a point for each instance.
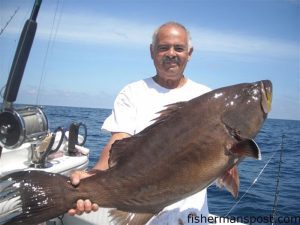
(231, 181)
(246, 147)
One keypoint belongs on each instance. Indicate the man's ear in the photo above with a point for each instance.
(152, 51)
(190, 53)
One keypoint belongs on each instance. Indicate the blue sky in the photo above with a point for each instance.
(85, 51)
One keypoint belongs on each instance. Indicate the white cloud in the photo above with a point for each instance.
(95, 29)
(100, 30)
(28, 94)
(210, 40)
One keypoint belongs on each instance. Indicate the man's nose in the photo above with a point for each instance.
(171, 52)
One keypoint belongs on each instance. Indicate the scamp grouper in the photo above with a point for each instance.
(190, 145)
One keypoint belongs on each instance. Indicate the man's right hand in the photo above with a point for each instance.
(102, 164)
(81, 205)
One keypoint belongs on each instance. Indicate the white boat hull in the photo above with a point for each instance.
(19, 159)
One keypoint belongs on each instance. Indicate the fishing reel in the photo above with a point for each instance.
(19, 126)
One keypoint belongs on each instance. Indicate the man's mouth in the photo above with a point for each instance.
(171, 63)
(169, 60)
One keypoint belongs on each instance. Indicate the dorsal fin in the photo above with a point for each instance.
(118, 150)
(168, 111)
(121, 149)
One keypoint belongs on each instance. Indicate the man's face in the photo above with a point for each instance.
(170, 52)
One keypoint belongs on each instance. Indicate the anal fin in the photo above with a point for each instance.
(127, 218)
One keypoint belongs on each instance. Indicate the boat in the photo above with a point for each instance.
(27, 143)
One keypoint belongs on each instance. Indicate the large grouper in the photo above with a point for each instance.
(190, 145)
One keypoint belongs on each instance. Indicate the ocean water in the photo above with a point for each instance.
(256, 199)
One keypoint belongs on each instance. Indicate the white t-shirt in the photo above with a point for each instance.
(135, 108)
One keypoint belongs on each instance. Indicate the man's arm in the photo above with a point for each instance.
(102, 164)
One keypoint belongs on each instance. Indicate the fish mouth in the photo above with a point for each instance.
(266, 90)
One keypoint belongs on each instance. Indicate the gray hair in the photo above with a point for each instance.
(154, 36)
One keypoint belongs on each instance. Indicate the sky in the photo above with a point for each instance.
(86, 51)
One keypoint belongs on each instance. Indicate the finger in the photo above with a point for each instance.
(95, 207)
(72, 212)
(87, 206)
(75, 178)
(80, 206)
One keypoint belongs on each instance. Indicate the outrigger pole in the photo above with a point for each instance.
(21, 57)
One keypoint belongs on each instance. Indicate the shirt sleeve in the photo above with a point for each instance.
(122, 118)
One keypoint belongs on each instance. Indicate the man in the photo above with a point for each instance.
(138, 103)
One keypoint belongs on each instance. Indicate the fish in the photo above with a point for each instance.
(188, 147)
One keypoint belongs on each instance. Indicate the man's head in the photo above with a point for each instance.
(171, 49)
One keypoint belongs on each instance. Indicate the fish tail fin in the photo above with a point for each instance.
(127, 218)
(31, 197)
(10, 205)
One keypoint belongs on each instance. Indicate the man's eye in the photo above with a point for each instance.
(163, 48)
(179, 49)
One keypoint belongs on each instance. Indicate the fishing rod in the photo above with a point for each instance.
(28, 124)
(274, 211)
(21, 57)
